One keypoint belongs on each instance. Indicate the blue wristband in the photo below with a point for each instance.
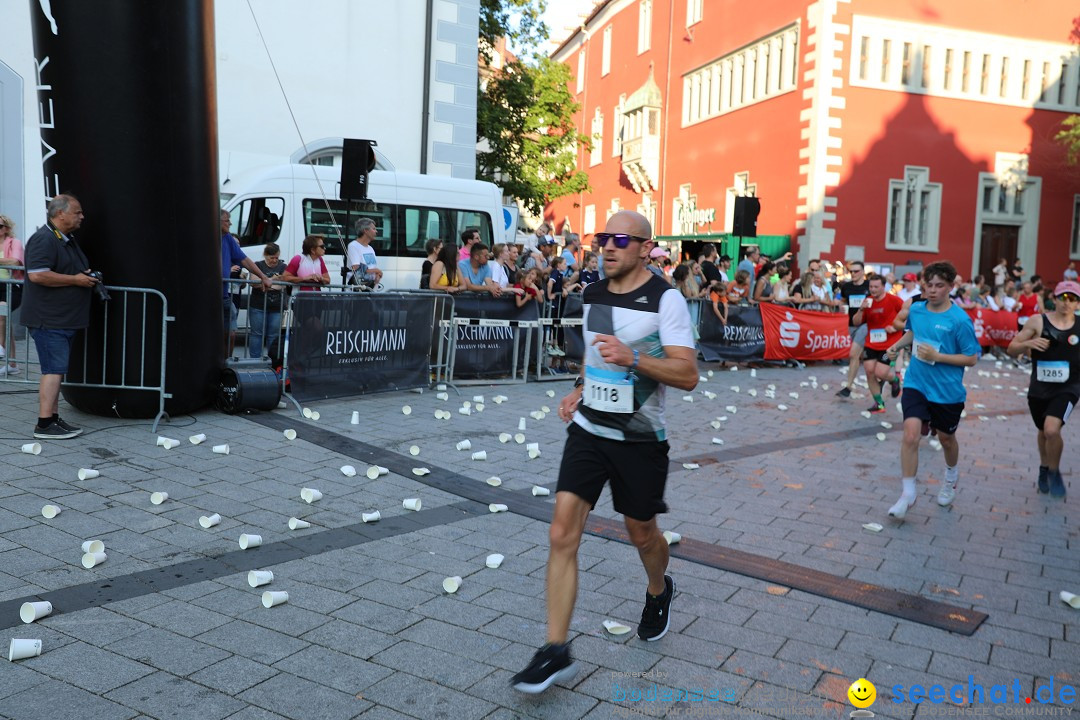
(636, 357)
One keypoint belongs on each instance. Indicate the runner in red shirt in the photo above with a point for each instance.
(879, 311)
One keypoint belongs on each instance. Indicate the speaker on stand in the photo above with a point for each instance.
(746, 215)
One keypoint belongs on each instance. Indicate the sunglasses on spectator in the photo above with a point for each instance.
(1068, 297)
(621, 240)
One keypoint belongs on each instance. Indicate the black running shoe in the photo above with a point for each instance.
(67, 426)
(1057, 484)
(654, 618)
(1044, 479)
(550, 664)
(53, 431)
(876, 409)
(844, 392)
(895, 383)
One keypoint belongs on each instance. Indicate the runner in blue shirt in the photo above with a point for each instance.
(942, 338)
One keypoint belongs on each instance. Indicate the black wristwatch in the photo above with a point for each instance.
(578, 382)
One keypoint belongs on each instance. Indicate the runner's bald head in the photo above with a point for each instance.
(630, 223)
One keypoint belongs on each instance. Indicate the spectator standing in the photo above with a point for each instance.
(1001, 272)
(445, 270)
(11, 255)
(1028, 304)
(571, 250)
(1017, 271)
(709, 265)
(655, 263)
(264, 309)
(911, 287)
(500, 256)
(541, 260)
(750, 261)
(1070, 272)
(56, 306)
(431, 248)
(591, 273)
(469, 237)
(308, 268)
(233, 256)
(763, 288)
(363, 262)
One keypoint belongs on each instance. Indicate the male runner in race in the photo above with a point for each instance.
(943, 343)
(878, 312)
(853, 293)
(1053, 339)
(638, 339)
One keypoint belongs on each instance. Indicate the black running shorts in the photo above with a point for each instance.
(1059, 406)
(637, 471)
(943, 417)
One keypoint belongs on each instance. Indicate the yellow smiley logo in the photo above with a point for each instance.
(862, 693)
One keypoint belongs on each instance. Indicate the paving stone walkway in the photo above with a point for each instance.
(167, 626)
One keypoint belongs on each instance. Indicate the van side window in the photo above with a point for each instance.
(423, 223)
(328, 218)
(257, 221)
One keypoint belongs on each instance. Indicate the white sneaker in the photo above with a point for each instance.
(13, 369)
(3, 369)
(946, 494)
(899, 510)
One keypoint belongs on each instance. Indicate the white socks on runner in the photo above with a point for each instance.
(907, 499)
(951, 475)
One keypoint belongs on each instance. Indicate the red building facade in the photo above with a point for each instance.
(896, 132)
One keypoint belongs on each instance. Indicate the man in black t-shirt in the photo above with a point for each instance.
(56, 304)
(708, 265)
(853, 293)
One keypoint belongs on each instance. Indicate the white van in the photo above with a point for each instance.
(285, 203)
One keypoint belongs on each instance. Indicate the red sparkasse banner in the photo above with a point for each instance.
(993, 327)
(804, 335)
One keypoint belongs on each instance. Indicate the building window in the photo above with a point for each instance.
(589, 224)
(758, 71)
(886, 50)
(581, 71)
(1074, 246)
(1025, 80)
(965, 77)
(605, 58)
(617, 128)
(616, 206)
(596, 155)
(648, 208)
(925, 80)
(984, 78)
(644, 29)
(905, 69)
(948, 68)
(693, 11)
(864, 56)
(914, 212)
(1003, 86)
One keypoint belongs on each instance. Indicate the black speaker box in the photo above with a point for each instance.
(746, 214)
(357, 160)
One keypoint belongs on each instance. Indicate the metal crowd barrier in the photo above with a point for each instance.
(557, 333)
(516, 370)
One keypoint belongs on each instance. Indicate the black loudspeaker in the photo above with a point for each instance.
(357, 160)
(746, 212)
(247, 385)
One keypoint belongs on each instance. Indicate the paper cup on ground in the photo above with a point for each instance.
(406, 410)
(615, 628)
(442, 396)
(196, 439)
(209, 521)
(521, 424)
(348, 471)
(494, 481)
(440, 386)
(1069, 599)
(93, 546)
(31, 611)
(221, 449)
(93, 559)
(372, 516)
(250, 541)
(672, 537)
(538, 491)
(519, 438)
(464, 445)
(411, 503)
(494, 560)
(156, 498)
(306, 412)
(310, 495)
(32, 448)
(88, 473)
(533, 454)
(270, 598)
(372, 472)
(505, 437)
(480, 455)
(289, 434)
(479, 407)
(465, 411)
(50, 511)
(497, 508)
(298, 524)
(382, 470)
(258, 578)
(421, 471)
(414, 450)
(355, 419)
(21, 649)
(451, 584)
(162, 441)
(315, 415)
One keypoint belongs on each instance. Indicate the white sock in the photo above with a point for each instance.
(951, 475)
(909, 488)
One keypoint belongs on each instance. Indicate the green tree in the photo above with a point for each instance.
(524, 111)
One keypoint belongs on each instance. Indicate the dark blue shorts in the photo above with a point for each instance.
(53, 349)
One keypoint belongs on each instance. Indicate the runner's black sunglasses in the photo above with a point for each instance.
(621, 240)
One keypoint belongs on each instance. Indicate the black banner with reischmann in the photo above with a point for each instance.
(485, 347)
(344, 344)
(741, 339)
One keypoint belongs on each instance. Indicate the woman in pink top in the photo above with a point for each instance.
(11, 253)
(308, 268)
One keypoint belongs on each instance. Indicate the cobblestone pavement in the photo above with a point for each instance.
(167, 626)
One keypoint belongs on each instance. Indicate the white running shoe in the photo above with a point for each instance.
(946, 494)
(899, 510)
